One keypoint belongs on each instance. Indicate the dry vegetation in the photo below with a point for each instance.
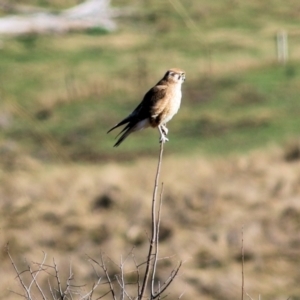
(70, 211)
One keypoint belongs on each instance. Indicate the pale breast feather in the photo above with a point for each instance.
(174, 105)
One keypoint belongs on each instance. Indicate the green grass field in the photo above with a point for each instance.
(62, 93)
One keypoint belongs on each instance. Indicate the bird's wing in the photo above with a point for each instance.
(149, 106)
(155, 101)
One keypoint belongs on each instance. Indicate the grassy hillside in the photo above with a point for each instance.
(60, 94)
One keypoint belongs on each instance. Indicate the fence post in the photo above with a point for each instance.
(282, 46)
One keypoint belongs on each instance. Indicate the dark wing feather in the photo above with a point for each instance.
(124, 135)
(142, 111)
(124, 121)
(159, 101)
(127, 119)
(153, 98)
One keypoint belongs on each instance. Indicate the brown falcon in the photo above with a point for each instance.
(158, 107)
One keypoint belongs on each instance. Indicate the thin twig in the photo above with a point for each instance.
(147, 272)
(18, 273)
(157, 240)
(158, 290)
(58, 280)
(34, 277)
(103, 295)
(96, 272)
(21, 295)
(90, 293)
(108, 278)
(68, 289)
(181, 295)
(168, 282)
(51, 291)
(137, 273)
(249, 296)
(122, 283)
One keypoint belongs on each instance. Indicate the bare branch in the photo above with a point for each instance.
(157, 240)
(168, 282)
(96, 272)
(138, 274)
(249, 296)
(68, 289)
(142, 282)
(91, 292)
(181, 295)
(103, 295)
(153, 238)
(122, 284)
(159, 290)
(18, 294)
(93, 260)
(51, 291)
(103, 266)
(18, 274)
(34, 277)
(58, 280)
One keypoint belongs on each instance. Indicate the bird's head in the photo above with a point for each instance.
(175, 76)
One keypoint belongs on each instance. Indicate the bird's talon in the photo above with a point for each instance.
(165, 130)
(163, 139)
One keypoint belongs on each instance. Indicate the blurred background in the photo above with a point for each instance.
(71, 69)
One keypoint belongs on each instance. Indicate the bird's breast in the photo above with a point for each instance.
(173, 105)
(166, 108)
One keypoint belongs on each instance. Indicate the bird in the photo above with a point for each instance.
(158, 107)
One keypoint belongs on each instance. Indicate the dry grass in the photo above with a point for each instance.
(72, 210)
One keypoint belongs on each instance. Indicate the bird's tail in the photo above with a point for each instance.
(127, 130)
(131, 127)
(126, 120)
